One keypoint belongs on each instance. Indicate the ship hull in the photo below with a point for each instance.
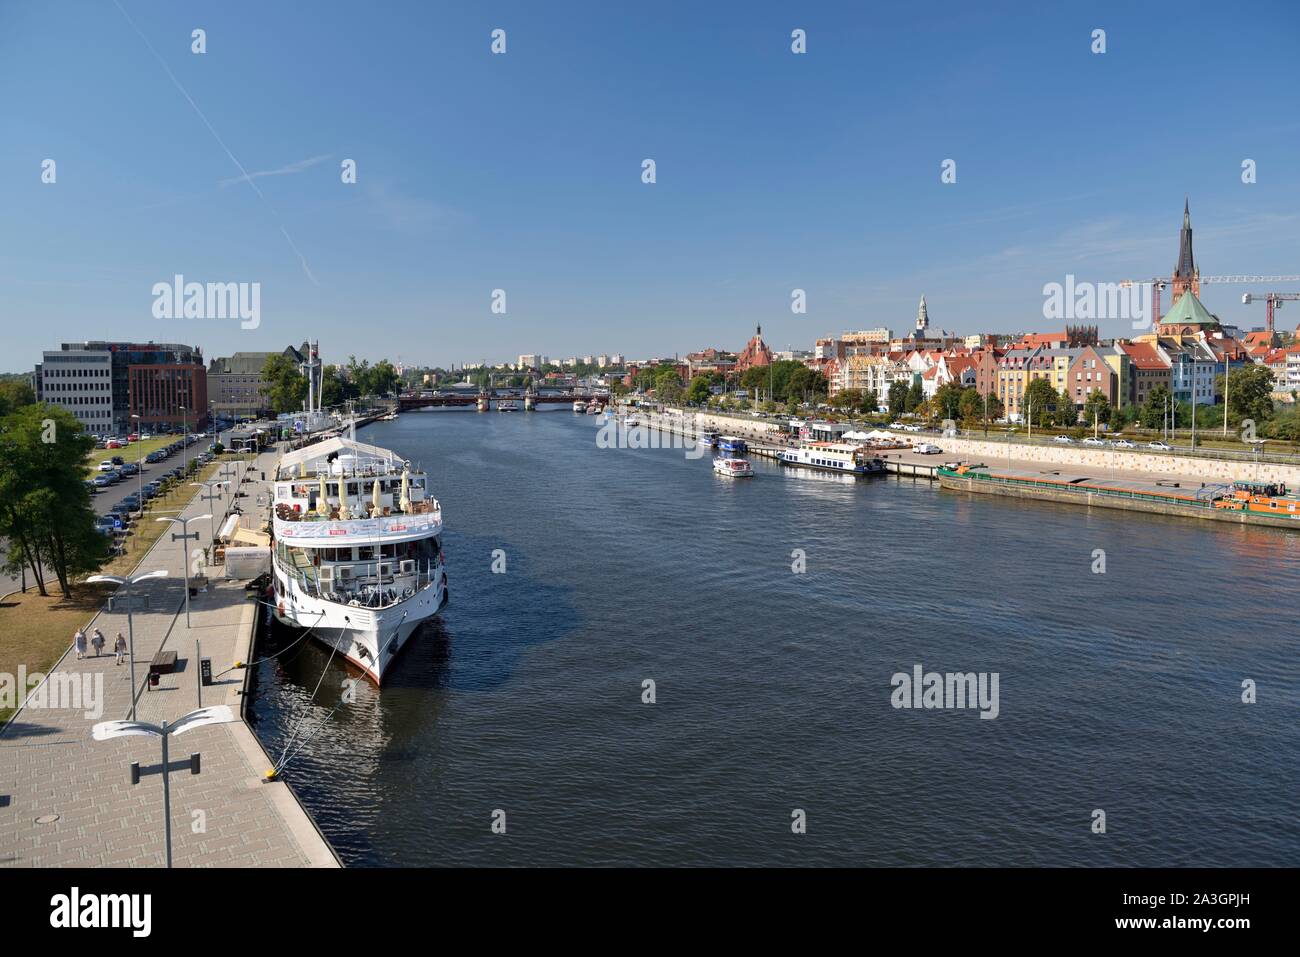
(368, 638)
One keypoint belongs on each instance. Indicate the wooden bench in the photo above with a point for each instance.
(163, 663)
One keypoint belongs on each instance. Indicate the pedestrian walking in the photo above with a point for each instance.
(79, 642)
(119, 646)
(97, 642)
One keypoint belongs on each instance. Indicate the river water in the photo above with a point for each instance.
(1119, 691)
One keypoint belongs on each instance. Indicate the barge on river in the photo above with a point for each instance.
(1245, 503)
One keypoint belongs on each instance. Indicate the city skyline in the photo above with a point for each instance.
(779, 171)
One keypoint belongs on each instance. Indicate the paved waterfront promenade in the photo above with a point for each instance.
(66, 801)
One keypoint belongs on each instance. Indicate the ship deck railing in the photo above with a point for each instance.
(365, 591)
(285, 513)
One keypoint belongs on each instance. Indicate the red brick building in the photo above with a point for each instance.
(157, 392)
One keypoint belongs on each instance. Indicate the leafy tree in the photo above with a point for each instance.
(915, 397)
(897, 397)
(286, 386)
(1250, 394)
(1038, 402)
(698, 391)
(46, 518)
(1096, 408)
(14, 394)
(947, 401)
(1155, 408)
(1067, 413)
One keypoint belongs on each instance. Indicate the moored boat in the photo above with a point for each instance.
(729, 443)
(833, 457)
(1243, 502)
(357, 557)
(579, 406)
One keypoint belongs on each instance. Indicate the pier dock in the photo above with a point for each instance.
(66, 800)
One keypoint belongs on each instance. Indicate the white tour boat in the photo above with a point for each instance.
(579, 406)
(507, 405)
(737, 468)
(834, 457)
(357, 555)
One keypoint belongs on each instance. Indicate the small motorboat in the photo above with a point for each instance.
(736, 468)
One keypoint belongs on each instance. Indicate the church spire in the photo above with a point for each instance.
(1186, 275)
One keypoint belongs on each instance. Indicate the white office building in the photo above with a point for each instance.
(81, 381)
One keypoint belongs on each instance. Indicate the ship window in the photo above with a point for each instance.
(365, 552)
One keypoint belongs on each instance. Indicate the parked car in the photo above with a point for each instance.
(1063, 439)
(1160, 446)
(112, 444)
(118, 460)
(130, 468)
(1124, 444)
(1091, 441)
(106, 465)
(925, 448)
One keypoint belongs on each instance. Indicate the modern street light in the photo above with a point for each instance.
(106, 730)
(184, 536)
(124, 585)
(210, 495)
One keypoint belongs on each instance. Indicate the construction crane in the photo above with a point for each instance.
(1272, 301)
(1160, 282)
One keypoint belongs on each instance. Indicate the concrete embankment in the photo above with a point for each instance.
(1087, 461)
(69, 799)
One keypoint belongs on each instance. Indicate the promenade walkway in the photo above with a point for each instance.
(66, 801)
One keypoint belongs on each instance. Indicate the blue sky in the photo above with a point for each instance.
(522, 171)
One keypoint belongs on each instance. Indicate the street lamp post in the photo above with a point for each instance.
(106, 730)
(210, 494)
(124, 585)
(184, 536)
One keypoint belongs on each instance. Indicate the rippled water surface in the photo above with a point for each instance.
(1118, 691)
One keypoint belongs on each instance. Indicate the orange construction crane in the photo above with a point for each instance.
(1160, 282)
(1272, 301)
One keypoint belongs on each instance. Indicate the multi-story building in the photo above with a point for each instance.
(236, 388)
(170, 395)
(81, 381)
(1089, 371)
(1012, 378)
(137, 365)
(1147, 369)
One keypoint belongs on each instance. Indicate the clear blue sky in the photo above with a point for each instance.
(522, 171)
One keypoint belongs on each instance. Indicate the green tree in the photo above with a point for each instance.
(383, 378)
(46, 518)
(286, 386)
(698, 392)
(947, 401)
(1250, 394)
(1038, 402)
(14, 394)
(897, 397)
(1154, 409)
(1096, 408)
(1067, 413)
(915, 397)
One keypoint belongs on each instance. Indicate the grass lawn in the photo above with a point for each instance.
(34, 630)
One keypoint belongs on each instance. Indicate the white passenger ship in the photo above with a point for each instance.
(357, 549)
(834, 457)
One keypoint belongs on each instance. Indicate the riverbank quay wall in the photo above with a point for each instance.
(1073, 457)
